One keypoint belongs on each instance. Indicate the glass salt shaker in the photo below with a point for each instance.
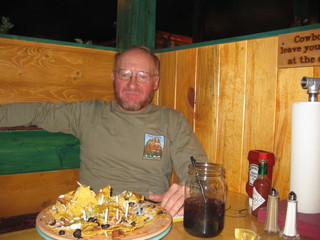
(205, 196)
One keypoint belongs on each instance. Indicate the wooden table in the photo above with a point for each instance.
(236, 217)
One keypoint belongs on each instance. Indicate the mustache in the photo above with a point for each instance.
(131, 91)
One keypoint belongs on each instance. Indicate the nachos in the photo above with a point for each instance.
(83, 213)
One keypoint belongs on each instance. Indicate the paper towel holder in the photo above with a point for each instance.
(313, 85)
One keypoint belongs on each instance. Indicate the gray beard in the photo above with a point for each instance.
(133, 107)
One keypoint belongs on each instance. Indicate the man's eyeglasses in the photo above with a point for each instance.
(126, 75)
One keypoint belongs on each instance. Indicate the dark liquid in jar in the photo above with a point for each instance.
(203, 219)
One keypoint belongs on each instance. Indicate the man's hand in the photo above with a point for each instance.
(172, 200)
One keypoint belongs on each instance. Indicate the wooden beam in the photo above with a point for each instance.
(136, 23)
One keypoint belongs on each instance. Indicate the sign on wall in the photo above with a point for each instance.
(299, 49)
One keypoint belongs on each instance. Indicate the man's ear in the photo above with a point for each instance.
(112, 75)
(156, 82)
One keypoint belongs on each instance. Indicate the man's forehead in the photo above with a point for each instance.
(136, 56)
(132, 53)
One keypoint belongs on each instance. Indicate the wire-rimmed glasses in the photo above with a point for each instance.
(126, 75)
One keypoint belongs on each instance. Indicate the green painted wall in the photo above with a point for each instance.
(25, 151)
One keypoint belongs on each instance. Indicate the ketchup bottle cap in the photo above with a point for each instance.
(260, 154)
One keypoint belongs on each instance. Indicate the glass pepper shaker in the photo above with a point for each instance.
(205, 196)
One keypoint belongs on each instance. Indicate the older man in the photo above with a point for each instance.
(129, 144)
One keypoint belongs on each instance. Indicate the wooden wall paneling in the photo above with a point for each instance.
(185, 80)
(33, 71)
(179, 79)
(289, 91)
(260, 97)
(186, 70)
(32, 192)
(231, 114)
(316, 72)
(207, 92)
(167, 87)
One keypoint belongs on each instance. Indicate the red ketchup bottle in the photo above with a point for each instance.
(253, 157)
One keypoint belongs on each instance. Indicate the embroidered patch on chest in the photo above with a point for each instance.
(153, 147)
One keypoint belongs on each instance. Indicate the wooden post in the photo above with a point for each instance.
(136, 23)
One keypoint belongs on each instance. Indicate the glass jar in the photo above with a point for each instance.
(205, 196)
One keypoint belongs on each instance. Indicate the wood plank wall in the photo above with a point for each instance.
(38, 72)
(35, 71)
(242, 103)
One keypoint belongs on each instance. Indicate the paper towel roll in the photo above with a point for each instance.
(305, 156)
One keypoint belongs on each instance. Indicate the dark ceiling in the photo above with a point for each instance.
(62, 20)
(203, 20)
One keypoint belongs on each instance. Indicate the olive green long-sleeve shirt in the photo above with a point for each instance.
(128, 151)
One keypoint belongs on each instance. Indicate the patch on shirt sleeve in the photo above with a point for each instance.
(153, 146)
